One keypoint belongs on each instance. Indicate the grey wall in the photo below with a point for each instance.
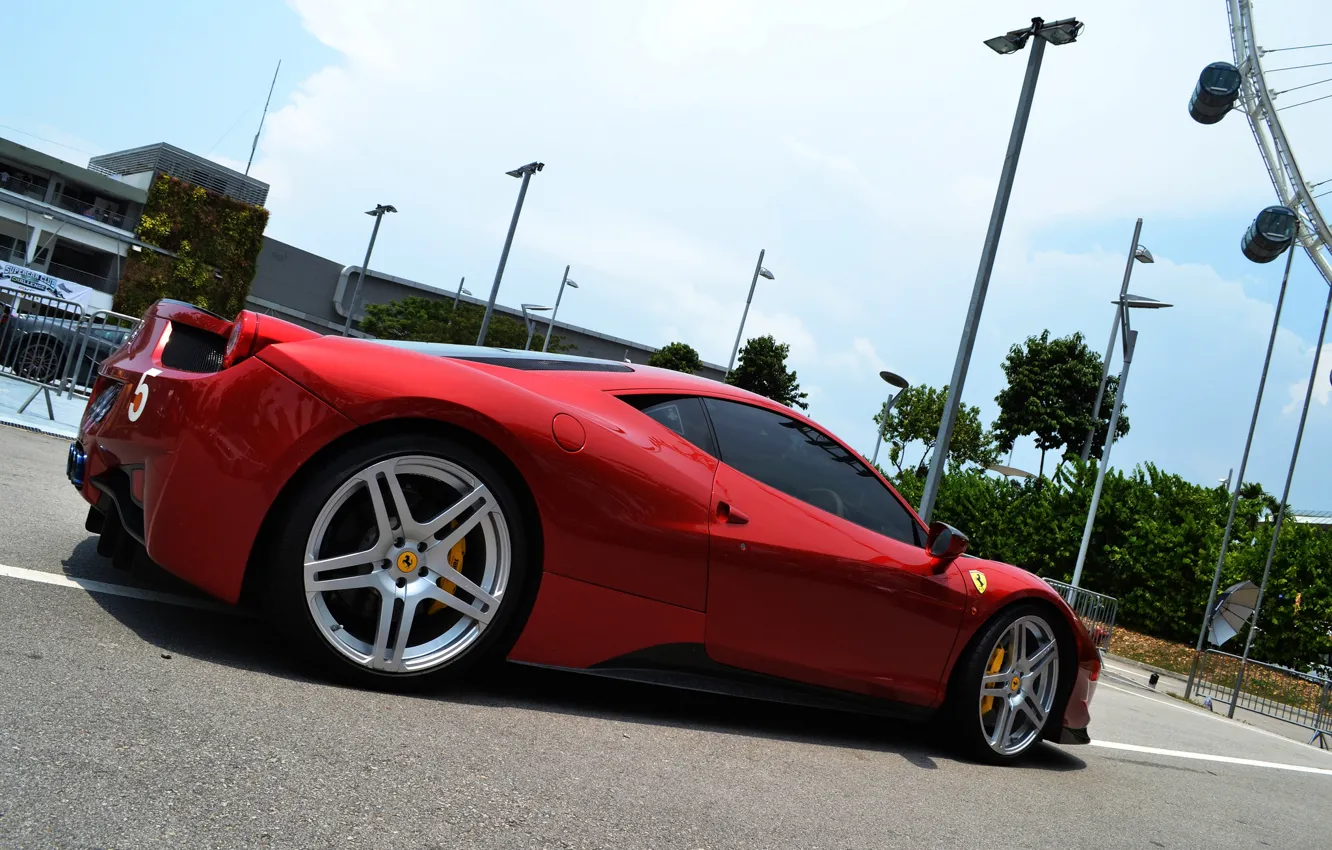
(300, 287)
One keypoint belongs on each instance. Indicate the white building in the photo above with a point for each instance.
(77, 224)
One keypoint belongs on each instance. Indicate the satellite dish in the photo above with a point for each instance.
(1233, 609)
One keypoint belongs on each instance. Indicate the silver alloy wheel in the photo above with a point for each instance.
(39, 360)
(392, 602)
(1018, 685)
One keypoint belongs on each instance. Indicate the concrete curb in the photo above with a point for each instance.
(1129, 662)
(15, 422)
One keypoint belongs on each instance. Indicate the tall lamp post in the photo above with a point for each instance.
(525, 173)
(1059, 32)
(895, 380)
(378, 212)
(461, 292)
(1280, 231)
(1281, 508)
(551, 328)
(1130, 342)
(1142, 255)
(530, 322)
(759, 272)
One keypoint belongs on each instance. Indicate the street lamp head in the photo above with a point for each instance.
(1061, 32)
(1009, 42)
(530, 168)
(765, 273)
(534, 307)
(380, 209)
(894, 379)
(571, 283)
(1140, 302)
(1142, 255)
(465, 291)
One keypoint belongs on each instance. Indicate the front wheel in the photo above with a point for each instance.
(402, 561)
(1007, 685)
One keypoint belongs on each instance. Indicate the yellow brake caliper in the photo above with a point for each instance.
(456, 561)
(996, 661)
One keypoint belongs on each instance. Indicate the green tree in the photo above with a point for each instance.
(678, 356)
(762, 369)
(1051, 390)
(915, 418)
(435, 320)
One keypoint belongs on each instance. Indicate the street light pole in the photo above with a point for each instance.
(945, 436)
(1239, 480)
(1281, 508)
(1130, 341)
(758, 270)
(530, 322)
(378, 213)
(551, 328)
(1110, 347)
(460, 292)
(525, 173)
(901, 384)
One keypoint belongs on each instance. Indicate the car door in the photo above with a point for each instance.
(817, 571)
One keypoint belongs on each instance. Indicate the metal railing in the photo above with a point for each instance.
(89, 209)
(1096, 610)
(1278, 692)
(101, 283)
(27, 188)
(53, 344)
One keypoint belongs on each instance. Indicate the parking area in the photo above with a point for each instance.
(135, 714)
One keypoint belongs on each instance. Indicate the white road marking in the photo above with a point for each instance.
(1199, 711)
(114, 589)
(1183, 754)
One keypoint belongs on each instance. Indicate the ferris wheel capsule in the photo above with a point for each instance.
(1215, 94)
(1272, 232)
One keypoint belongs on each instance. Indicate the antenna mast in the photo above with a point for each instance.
(255, 144)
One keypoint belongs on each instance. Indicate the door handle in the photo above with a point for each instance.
(728, 514)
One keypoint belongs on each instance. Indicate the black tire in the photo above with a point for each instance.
(284, 596)
(39, 359)
(961, 718)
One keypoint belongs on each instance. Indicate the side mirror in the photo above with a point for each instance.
(945, 543)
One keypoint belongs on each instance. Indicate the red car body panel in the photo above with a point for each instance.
(637, 549)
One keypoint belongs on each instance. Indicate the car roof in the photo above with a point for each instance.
(604, 374)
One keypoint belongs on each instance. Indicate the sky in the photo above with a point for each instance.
(858, 143)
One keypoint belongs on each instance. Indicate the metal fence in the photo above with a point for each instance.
(1096, 610)
(1284, 694)
(54, 344)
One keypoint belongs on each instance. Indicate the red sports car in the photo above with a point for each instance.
(407, 511)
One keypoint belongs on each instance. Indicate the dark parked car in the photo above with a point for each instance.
(38, 347)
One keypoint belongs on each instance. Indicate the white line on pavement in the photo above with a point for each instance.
(1134, 748)
(1199, 711)
(114, 589)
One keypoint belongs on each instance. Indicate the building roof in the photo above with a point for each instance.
(181, 164)
(99, 181)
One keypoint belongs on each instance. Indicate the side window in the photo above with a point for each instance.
(805, 463)
(682, 414)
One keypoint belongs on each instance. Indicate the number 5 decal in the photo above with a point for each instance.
(140, 400)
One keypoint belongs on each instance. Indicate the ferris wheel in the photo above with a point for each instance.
(1258, 102)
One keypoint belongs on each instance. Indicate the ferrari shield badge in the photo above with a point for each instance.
(978, 579)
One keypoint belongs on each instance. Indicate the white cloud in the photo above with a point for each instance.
(858, 143)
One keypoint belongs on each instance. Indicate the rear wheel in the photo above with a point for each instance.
(1007, 685)
(402, 562)
(38, 359)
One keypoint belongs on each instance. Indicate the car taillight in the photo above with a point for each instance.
(241, 343)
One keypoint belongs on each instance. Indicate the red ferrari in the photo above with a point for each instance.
(407, 511)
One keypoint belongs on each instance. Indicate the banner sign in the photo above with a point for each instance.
(40, 283)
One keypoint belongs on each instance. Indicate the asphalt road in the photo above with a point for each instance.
(135, 723)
